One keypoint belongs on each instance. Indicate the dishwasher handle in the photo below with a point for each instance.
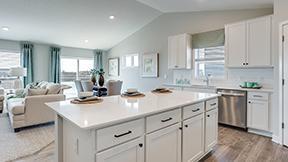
(232, 94)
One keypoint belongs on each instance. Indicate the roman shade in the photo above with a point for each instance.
(208, 39)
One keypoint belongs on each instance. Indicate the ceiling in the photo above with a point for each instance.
(205, 5)
(71, 22)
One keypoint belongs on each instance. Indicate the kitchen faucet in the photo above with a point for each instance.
(207, 80)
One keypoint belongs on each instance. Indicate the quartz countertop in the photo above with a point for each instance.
(268, 90)
(117, 109)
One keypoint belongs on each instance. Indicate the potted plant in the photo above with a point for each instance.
(93, 73)
(101, 80)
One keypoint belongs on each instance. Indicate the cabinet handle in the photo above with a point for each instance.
(243, 64)
(120, 135)
(208, 116)
(165, 120)
(249, 102)
(186, 126)
(141, 145)
(213, 104)
(176, 66)
(180, 128)
(195, 110)
(257, 96)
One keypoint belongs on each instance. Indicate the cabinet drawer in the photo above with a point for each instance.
(120, 133)
(162, 120)
(212, 104)
(258, 96)
(193, 110)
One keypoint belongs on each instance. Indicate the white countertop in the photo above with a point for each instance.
(220, 87)
(116, 109)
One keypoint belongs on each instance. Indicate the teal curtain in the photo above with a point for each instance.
(27, 61)
(54, 62)
(98, 62)
(208, 39)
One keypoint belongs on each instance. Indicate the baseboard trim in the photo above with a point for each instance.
(276, 139)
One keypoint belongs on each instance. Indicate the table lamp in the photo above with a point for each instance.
(18, 72)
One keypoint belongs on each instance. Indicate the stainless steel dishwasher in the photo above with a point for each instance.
(233, 107)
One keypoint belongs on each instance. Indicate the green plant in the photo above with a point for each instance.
(95, 72)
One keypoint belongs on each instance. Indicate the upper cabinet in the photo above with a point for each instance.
(180, 52)
(248, 43)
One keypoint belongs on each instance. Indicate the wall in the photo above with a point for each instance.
(153, 38)
(41, 56)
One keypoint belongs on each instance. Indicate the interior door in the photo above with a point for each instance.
(285, 90)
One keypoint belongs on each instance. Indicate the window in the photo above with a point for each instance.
(130, 61)
(209, 61)
(8, 60)
(75, 69)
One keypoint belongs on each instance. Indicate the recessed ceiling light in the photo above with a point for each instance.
(111, 17)
(86, 41)
(5, 28)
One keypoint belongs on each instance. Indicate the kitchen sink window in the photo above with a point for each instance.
(209, 55)
(209, 61)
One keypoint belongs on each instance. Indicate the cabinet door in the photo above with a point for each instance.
(211, 129)
(173, 44)
(259, 42)
(258, 115)
(235, 45)
(193, 138)
(132, 151)
(164, 145)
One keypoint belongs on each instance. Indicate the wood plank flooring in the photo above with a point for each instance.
(233, 146)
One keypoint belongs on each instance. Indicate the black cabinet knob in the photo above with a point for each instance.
(141, 145)
(186, 126)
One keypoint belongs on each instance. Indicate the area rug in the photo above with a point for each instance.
(24, 143)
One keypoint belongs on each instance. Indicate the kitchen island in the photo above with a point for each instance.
(172, 127)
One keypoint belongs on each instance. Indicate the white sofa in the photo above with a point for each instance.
(31, 110)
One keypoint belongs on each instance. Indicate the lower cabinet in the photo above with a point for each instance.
(257, 115)
(132, 151)
(211, 129)
(164, 145)
(193, 138)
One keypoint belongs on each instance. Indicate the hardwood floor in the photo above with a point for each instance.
(234, 145)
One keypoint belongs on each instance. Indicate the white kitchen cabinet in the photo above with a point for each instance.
(248, 43)
(211, 129)
(258, 111)
(132, 151)
(180, 52)
(259, 42)
(193, 138)
(235, 44)
(164, 145)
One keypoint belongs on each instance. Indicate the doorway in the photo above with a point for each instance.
(285, 87)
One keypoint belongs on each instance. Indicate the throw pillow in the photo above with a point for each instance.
(36, 92)
(53, 88)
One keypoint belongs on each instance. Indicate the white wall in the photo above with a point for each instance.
(41, 56)
(153, 38)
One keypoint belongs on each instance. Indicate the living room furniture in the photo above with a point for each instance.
(18, 72)
(114, 87)
(83, 86)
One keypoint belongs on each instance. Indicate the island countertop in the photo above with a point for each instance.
(116, 109)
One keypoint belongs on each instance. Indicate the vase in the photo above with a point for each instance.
(93, 79)
(101, 80)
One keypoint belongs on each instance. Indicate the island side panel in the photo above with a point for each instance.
(59, 138)
(78, 143)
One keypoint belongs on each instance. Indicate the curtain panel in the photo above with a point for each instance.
(208, 39)
(98, 62)
(54, 68)
(27, 62)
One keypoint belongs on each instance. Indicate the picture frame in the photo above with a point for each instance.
(150, 65)
(113, 66)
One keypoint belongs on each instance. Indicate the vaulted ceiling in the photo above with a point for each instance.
(87, 23)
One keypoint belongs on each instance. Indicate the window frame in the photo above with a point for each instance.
(201, 78)
(123, 62)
